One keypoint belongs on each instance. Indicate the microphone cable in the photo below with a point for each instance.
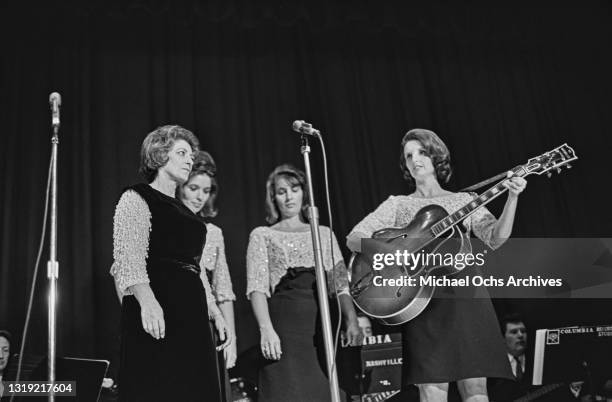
(24, 333)
(331, 243)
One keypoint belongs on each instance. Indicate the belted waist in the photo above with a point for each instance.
(293, 272)
(171, 263)
(296, 278)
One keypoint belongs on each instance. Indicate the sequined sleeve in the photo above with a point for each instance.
(131, 227)
(214, 260)
(339, 274)
(382, 217)
(258, 276)
(210, 298)
(483, 223)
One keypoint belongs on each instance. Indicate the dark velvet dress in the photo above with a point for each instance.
(180, 367)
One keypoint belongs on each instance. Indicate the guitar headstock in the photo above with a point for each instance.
(552, 160)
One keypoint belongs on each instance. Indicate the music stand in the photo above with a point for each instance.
(572, 354)
(88, 374)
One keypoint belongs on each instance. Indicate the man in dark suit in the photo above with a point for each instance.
(515, 334)
(520, 388)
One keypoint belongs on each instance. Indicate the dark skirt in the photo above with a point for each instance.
(454, 338)
(180, 367)
(222, 373)
(299, 375)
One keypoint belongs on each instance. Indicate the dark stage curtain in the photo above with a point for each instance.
(499, 83)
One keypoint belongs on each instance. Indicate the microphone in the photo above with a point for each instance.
(300, 126)
(55, 100)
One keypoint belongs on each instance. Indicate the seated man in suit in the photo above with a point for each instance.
(502, 390)
(515, 335)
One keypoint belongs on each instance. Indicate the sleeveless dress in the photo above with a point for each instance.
(181, 366)
(453, 338)
(281, 265)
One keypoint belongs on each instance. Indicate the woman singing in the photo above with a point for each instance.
(199, 194)
(167, 352)
(453, 339)
(281, 287)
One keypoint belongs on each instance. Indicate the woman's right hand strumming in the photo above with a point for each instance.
(270, 343)
(151, 312)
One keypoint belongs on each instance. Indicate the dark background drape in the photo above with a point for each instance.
(499, 83)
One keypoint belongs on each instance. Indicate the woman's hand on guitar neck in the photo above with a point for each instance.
(515, 185)
(503, 227)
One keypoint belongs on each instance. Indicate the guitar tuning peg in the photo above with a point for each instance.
(568, 166)
(549, 175)
(559, 170)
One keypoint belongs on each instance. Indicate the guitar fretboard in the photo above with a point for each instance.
(467, 210)
(539, 392)
(555, 159)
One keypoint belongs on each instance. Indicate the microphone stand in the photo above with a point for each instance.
(313, 218)
(52, 264)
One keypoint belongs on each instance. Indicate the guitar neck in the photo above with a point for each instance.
(545, 163)
(532, 396)
(471, 207)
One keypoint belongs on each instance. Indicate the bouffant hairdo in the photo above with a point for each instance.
(295, 177)
(157, 144)
(435, 148)
(203, 163)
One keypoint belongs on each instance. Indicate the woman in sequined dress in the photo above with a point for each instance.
(167, 351)
(281, 287)
(452, 339)
(199, 194)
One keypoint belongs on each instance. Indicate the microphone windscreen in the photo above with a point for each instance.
(297, 125)
(55, 97)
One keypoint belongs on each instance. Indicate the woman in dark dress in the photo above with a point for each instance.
(167, 352)
(199, 194)
(281, 287)
(452, 339)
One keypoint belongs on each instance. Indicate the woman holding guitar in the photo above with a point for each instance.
(452, 339)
